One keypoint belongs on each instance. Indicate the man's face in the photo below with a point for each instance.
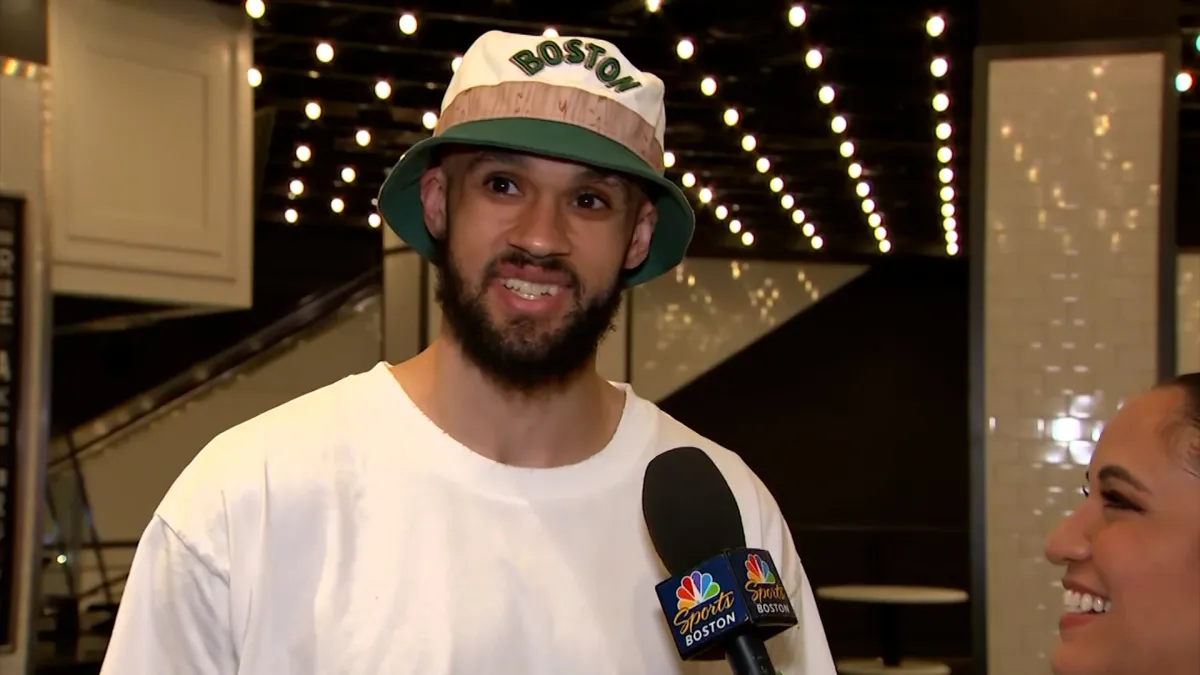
(533, 249)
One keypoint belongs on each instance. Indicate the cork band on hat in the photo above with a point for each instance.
(538, 100)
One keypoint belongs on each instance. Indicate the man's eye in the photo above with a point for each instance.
(501, 185)
(591, 201)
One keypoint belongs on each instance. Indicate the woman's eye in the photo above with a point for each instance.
(1115, 500)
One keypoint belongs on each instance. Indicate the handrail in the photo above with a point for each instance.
(309, 314)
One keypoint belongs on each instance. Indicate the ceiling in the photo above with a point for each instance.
(877, 56)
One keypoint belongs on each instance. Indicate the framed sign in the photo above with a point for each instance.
(12, 371)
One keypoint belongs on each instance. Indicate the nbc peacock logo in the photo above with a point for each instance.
(696, 589)
(758, 572)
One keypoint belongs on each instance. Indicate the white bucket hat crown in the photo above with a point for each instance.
(570, 98)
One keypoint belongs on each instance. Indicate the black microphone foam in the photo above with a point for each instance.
(690, 511)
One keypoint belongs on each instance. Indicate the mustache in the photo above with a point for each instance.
(520, 258)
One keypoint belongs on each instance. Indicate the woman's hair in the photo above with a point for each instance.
(1189, 384)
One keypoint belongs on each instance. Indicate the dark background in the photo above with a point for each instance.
(854, 414)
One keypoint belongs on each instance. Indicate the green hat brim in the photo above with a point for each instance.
(400, 197)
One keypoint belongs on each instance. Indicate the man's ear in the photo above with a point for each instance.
(643, 230)
(435, 196)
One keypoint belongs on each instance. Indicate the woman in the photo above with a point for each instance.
(1131, 551)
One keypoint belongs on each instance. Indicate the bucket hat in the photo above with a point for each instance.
(572, 98)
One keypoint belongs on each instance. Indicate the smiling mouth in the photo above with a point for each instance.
(530, 290)
(1075, 602)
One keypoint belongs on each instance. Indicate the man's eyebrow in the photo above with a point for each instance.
(498, 156)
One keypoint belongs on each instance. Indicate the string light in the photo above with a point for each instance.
(324, 52)
(709, 86)
(839, 124)
(706, 195)
(943, 130)
(254, 77)
(362, 137)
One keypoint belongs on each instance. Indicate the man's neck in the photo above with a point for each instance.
(556, 428)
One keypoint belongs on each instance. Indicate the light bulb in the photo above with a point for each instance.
(668, 159)
(708, 86)
(362, 137)
(312, 110)
(797, 16)
(383, 90)
(813, 59)
(749, 143)
(429, 120)
(254, 77)
(685, 49)
(303, 153)
(374, 220)
(408, 23)
(337, 205)
(731, 117)
(324, 52)
(935, 26)
(349, 174)
(291, 216)
(256, 8)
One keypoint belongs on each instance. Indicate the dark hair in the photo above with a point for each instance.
(1189, 385)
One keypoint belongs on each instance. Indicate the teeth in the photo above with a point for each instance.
(1075, 602)
(530, 290)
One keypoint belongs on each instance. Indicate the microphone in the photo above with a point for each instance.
(722, 599)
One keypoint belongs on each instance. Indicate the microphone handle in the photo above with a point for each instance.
(747, 655)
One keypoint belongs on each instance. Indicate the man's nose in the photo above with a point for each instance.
(542, 229)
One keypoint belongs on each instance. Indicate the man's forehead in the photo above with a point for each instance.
(474, 158)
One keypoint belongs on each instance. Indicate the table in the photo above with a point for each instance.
(889, 599)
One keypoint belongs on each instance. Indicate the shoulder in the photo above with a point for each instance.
(282, 452)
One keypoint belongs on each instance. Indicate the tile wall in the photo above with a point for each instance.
(1072, 175)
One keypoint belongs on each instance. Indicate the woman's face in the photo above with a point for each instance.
(1131, 551)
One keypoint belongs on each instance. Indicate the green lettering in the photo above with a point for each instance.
(594, 52)
(625, 84)
(528, 62)
(573, 51)
(609, 70)
(550, 52)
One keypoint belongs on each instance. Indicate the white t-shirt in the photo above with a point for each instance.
(344, 533)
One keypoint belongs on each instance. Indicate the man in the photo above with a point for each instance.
(477, 508)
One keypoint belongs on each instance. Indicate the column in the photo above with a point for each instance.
(1073, 279)
(406, 300)
(24, 328)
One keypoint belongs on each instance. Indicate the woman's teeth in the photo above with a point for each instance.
(530, 290)
(1075, 602)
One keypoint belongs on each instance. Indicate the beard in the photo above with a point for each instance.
(519, 355)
